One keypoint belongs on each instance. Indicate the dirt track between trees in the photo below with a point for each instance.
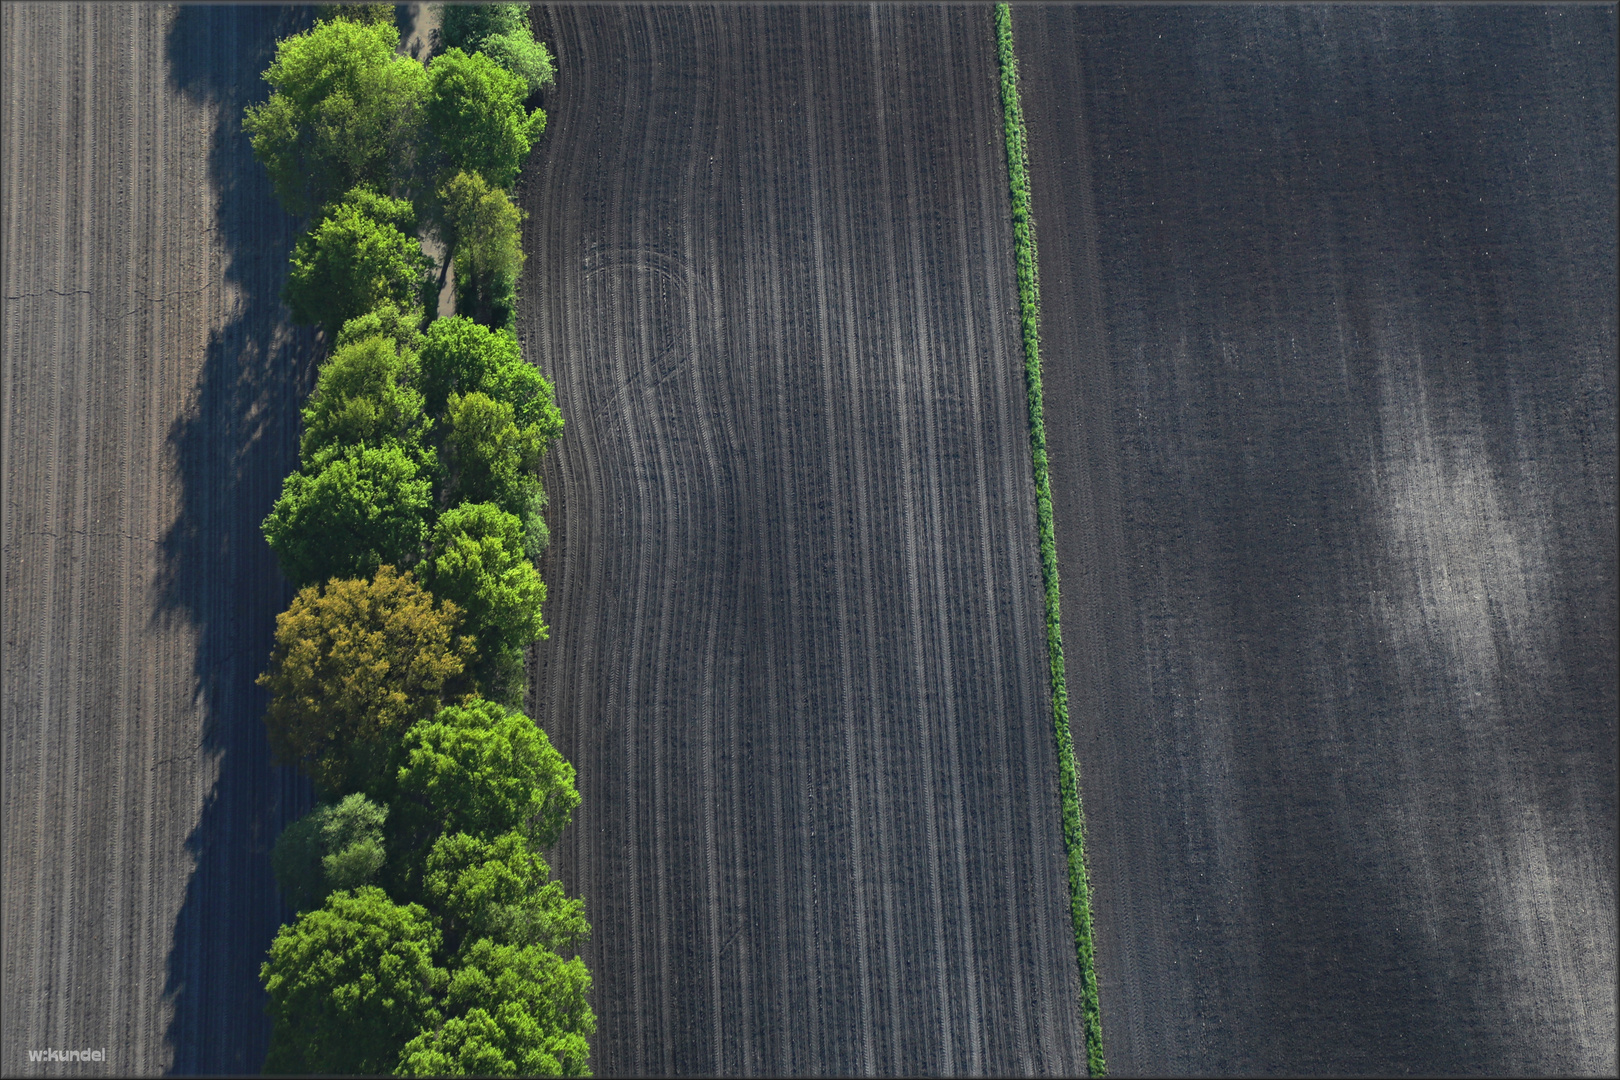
(796, 650)
(1330, 339)
(150, 412)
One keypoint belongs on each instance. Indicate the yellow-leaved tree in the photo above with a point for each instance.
(354, 665)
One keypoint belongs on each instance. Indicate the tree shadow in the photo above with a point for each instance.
(231, 448)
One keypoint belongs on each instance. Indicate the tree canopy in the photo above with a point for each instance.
(485, 238)
(465, 26)
(477, 561)
(501, 32)
(355, 663)
(361, 253)
(512, 1011)
(334, 846)
(365, 13)
(487, 456)
(459, 355)
(345, 110)
(483, 769)
(475, 111)
(355, 512)
(402, 326)
(500, 889)
(350, 983)
(429, 792)
(520, 54)
(363, 396)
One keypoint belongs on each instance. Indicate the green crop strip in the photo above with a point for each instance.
(1029, 309)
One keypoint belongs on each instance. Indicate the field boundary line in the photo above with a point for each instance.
(1029, 305)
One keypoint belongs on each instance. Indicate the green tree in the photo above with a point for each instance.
(485, 770)
(354, 665)
(501, 32)
(487, 456)
(465, 26)
(352, 833)
(356, 512)
(459, 355)
(361, 13)
(534, 407)
(486, 238)
(345, 110)
(360, 254)
(511, 1011)
(478, 562)
(399, 325)
(500, 889)
(364, 396)
(334, 846)
(475, 112)
(350, 984)
(520, 54)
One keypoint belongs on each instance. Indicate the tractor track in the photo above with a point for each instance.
(795, 648)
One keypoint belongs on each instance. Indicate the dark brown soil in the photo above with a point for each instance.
(796, 651)
(150, 412)
(1330, 334)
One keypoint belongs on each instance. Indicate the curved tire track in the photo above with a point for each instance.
(794, 547)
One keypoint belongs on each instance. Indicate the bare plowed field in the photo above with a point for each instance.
(796, 651)
(1330, 340)
(150, 411)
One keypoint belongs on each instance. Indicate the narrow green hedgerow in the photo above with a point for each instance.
(1029, 306)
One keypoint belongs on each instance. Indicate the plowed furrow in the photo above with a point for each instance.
(146, 386)
(795, 605)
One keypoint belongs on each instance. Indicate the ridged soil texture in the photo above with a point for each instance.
(797, 651)
(1328, 333)
(150, 392)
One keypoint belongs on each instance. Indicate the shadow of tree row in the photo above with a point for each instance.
(231, 448)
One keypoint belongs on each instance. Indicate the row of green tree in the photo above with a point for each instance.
(429, 936)
(348, 115)
(1027, 271)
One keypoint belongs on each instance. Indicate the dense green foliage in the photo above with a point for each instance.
(486, 241)
(345, 111)
(334, 846)
(401, 326)
(475, 111)
(523, 56)
(361, 13)
(485, 770)
(484, 791)
(499, 889)
(361, 253)
(465, 26)
(364, 397)
(350, 983)
(430, 932)
(501, 32)
(484, 226)
(489, 458)
(354, 665)
(1029, 303)
(477, 561)
(513, 1011)
(460, 356)
(354, 512)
